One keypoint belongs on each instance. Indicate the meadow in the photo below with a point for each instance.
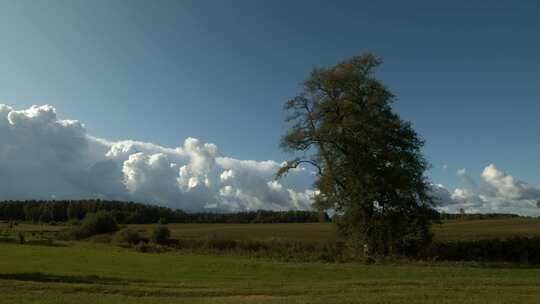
(96, 273)
(90, 272)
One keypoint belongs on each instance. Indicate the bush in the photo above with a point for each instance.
(99, 222)
(161, 235)
(73, 222)
(94, 223)
(516, 250)
(128, 236)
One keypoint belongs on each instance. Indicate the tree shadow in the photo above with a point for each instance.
(70, 279)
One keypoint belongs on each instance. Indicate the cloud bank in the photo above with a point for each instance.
(497, 192)
(43, 157)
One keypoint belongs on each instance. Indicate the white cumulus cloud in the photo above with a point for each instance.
(497, 192)
(508, 186)
(43, 157)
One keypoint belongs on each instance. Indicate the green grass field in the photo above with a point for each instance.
(90, 273)
(83, 272)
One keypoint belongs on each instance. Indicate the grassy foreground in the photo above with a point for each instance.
(92, 273)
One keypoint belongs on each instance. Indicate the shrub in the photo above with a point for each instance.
(516, 250)
(161, 235)
(99, 222)
(94, 223)
(73, 222)
(128, 236)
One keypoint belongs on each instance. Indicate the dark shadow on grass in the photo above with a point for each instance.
(70, 279)
(127, 287)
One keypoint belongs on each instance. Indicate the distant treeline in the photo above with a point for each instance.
(137, 213)
(476, 216)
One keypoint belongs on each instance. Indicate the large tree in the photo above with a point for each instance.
(370, 170)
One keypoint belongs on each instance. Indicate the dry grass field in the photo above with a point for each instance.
(324, 232)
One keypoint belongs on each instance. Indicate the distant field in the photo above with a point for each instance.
(486, 229)
(91, 273)
(324, 232)
(308, 232)
(33, 227)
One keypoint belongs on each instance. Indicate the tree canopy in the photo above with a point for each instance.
(370, 170)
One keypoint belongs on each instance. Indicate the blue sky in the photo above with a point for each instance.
(466, 73)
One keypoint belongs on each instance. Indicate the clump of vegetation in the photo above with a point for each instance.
(94, 223)
(161, 235)
(99, 222)
(129, 236)
(151, 248)
(515, 250)
(279, 249)
(73, 222)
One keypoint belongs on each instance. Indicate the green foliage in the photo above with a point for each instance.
(94, 223)
(515, 250)
(73, 222)
(161, 235)
(129, 236)
(99, 222)
(135, 213)
(369, 162)
(63, 211)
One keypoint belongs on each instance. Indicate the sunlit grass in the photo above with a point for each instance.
(95, 273)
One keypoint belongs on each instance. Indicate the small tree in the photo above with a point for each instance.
(129, 236)
(161, 235)
(368, 161)
(94, 223)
